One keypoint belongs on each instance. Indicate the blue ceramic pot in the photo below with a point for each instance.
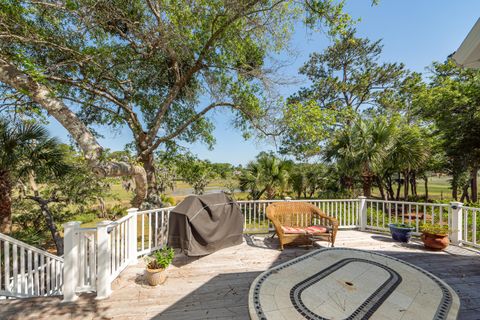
(401, 232)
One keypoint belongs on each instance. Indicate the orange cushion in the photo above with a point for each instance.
(293, 230)
(316, 229)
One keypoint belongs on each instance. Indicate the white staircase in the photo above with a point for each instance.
(26, 271)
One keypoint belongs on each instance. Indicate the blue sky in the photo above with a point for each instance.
(415, 32)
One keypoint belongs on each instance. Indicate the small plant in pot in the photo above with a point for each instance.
(401, 231)
(156, 265)
(435, 236)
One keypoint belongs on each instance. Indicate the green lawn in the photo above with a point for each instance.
(438, 188)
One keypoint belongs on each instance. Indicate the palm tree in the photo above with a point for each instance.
(250, 180)
(25, 148)
(299, 181)
(362, 148)
(268, 175)
(408, 154)
(306, 179)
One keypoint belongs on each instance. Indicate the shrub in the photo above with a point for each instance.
(160, 259)
(167, 200)
(438, 229)
(116, 212)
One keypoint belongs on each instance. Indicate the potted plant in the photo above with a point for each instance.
(401, 231)
(435, 236)
(156, 265)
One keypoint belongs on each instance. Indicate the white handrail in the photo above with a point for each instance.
(29, 247)
(154, 210)
(26, 271)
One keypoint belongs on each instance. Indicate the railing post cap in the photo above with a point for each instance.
(131, 210)
(456, 204)
(362, 197)
(72, 224)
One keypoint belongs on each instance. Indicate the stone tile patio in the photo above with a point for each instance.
(216, 286)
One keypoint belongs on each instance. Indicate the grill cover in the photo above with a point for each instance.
(200, 225)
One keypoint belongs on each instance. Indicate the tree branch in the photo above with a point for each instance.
(197, 117)
(189, 74)
(44, 97)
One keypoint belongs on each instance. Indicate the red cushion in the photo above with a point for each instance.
(316, 229)
(293, 230)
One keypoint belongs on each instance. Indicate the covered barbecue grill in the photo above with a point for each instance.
(200, 225)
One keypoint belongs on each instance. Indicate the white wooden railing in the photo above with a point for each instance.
(110, 247)
(153, 229)
(26, 271)
(461, 220)
(467, 229)
(380, 213)
(256, 221)
(94, 257)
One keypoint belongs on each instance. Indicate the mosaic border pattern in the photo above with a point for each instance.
(442, 310)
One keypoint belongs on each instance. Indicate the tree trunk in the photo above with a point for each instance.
(51, 226)
(399, 185)
(5, 202)
(148, 162)
(93, 152)
(389, 186)
(473, 187)
(465, 195)
(367, 185)
(455, 192)
(405, 185)
(153, 192)
(413, 184)
(347, 183)
(270, 193)
(47, 214)
(425, 179)
(380, 187)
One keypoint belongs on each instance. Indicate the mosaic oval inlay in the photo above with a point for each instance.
(340, 283)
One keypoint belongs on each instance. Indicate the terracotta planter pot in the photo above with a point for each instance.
(435, 241)
(155, 277)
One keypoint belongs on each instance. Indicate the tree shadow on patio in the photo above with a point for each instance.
(85, 307)
(225, 295)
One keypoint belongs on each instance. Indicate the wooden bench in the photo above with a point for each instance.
(300, 222)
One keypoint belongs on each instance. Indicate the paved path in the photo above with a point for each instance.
(216, 286)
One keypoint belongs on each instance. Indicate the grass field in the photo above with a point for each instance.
(438, 188)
